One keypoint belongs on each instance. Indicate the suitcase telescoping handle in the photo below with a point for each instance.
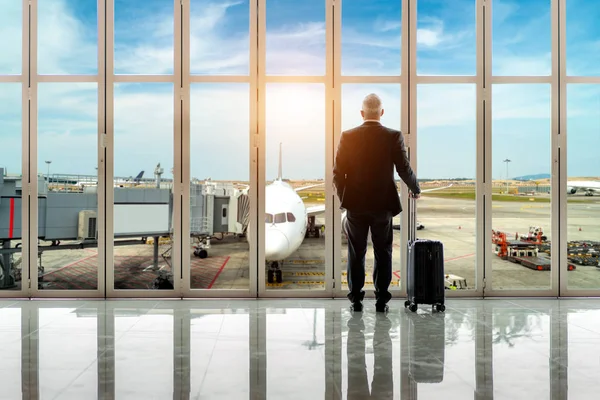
(412, 218)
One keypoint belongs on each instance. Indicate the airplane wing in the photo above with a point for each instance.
(314, 210)
(433, 189)
(309, 186)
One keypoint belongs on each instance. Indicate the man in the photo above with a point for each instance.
(363, 176)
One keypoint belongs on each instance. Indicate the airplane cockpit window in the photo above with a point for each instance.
(280, 218)
(290, 217)
(268, 218)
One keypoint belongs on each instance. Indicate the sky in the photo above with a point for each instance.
(371, 45)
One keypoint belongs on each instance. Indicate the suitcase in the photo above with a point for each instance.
(426, 347)
(425, 268)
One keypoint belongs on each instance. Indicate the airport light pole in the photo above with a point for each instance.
(48, 175)
(507, 161)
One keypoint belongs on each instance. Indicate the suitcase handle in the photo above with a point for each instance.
(412, 218)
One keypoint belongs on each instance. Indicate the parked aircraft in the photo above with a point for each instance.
(590, 187)
(118, 182)
(287, 221)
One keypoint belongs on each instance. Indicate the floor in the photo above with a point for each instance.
(298, 349)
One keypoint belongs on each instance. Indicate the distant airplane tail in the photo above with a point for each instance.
(138, 178)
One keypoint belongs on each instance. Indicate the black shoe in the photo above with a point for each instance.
(382, 308)
(357, 306)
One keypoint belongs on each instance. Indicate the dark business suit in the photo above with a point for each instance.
(364, 179)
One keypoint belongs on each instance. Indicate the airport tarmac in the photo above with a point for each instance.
(448, 220)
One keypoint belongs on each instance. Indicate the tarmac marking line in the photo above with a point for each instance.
(219, 273)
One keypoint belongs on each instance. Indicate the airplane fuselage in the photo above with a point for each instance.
(286, 221)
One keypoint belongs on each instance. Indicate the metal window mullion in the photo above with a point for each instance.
(331, 258)
(33, 167)
(369, 79)
(179, 150)
(259, 234)
(555, 206)
(254, 146)
(562, 147)
(101, 204)
(25, 156)
(404, 128)
(480, 244)
(486, 205)
(336, 110)
(185, 146)
(109, 152)
(409, 114)
(11, 78)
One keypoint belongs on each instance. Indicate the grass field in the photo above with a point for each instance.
(463, 194)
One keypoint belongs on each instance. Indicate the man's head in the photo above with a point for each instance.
(371, 107)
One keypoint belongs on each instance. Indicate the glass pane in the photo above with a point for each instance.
(446, 37)
(521, 353)
(295, 339)
(219, 42)
(67, 37)
(144, 37)
(76, 352)
(220, 183)
(447, 165)
(352, 98)
(10, 348)
(521, 39)
(583, 58)
(220, 354)
(67, 181)
(583, 186)
(143, 182)
(144, 353)
(10, 187)
(295, 125)
(11, 37)
(371, 37)
(521, 208)
(295, 37)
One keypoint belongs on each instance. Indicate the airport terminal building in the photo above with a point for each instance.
(166, 189)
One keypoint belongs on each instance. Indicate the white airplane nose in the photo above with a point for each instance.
(277, 245)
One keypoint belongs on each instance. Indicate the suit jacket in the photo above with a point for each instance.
(363, 173)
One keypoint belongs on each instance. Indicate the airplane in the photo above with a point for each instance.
(590, 187)
(287, 221)
(118, 182)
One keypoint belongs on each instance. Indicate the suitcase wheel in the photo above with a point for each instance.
(411, 306)
(440, 307)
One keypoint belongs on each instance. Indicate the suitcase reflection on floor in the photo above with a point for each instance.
(426, 347)
(382, 387)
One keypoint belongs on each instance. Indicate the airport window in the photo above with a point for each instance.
(280, 218)
(290, 217)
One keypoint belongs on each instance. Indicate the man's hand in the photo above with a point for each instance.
(414, 196)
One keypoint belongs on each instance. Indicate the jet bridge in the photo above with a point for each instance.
(139, 213)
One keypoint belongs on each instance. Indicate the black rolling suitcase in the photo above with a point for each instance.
(425, 269)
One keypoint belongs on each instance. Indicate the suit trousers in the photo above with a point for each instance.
(358, 225)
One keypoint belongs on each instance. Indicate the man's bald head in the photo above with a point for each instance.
(371, 107)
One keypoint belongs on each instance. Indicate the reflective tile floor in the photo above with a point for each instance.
(298, 349)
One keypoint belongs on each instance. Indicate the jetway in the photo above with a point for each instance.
(139, 213)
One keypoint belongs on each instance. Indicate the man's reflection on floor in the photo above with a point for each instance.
(383, 377)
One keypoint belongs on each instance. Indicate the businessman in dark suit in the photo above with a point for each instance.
(363, 176)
